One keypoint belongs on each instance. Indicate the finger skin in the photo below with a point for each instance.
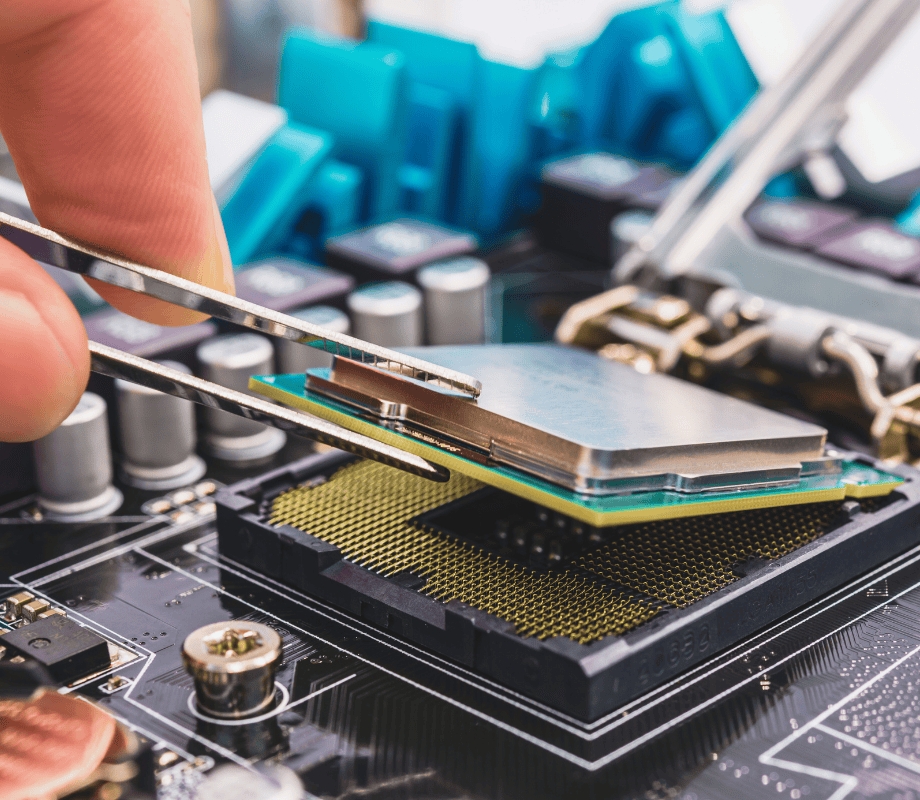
(99, 106)
(44, 363)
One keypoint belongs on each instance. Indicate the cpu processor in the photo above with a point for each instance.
(593, 439)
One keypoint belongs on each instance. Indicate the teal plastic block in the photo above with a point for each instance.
(431, 153)
(332, 204)
(432, 60)
(554, 111)
(499, 188)
(600, 72)
(258, 217)
(439, 68)
(660, 83)
(723, 79)
(909, 220)
(359, 93)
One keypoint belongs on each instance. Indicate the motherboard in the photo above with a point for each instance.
(820, 703)
(670, 549)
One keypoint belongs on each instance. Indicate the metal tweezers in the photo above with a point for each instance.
(50, 248)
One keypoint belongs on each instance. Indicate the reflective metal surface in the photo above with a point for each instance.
(797, 119)
(117, 364)
(584, 423)
(50, 248)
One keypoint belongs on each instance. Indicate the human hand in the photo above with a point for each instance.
(100, 109)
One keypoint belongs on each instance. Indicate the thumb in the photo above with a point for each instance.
(44, 363)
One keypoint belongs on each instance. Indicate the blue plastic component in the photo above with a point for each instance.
(443, 72)
(332, 205)
(660, 83)
(722, 79)
(599, 73)
(431, 152)
(909, 220)
(423, 125)
(500, 184)
(260, 214)
(359, 93)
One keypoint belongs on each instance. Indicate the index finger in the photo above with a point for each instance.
(99, 106)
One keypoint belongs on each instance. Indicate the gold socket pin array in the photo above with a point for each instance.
(367, 511)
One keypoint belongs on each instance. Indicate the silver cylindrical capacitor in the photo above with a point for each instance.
(230, 360)
(388, 314)
(157, 436)
(233, 664)
(73, 465)
(294, 357)
(455, 300)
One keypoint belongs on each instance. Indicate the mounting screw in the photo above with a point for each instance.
(233, 664)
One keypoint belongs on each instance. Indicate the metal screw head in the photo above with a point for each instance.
(231, 647)
(233, 664)
(232, 642)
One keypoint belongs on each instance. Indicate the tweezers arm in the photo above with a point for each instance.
(51, 248)
(118, 364)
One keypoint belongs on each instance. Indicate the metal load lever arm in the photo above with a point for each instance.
(796, 118)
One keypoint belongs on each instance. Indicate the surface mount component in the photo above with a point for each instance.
(233, 664)
(12, 605)
(388, 314)
(282, 284)
(73, 465)
(577, 617)
(228, 361)
(593, 439)
(396, 249)
(158, 436)
(67, 650)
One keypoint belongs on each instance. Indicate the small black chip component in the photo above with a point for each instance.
(396, 249)
(582, 194)
(877, 247)
(67, 650)
(283, 284)
(797, 223)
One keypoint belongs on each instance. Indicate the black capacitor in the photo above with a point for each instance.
(582, 194)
